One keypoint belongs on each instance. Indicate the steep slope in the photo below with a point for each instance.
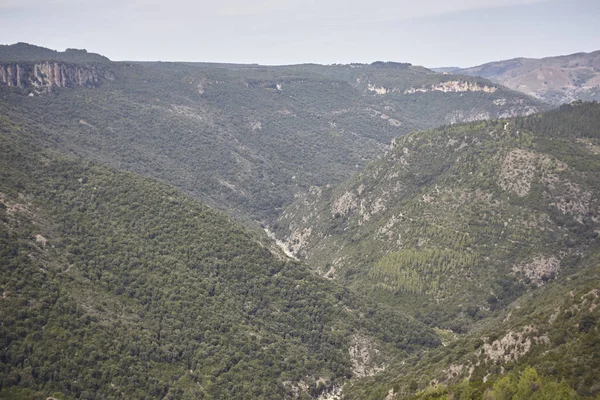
(245, 138)
(37, 70)
(554, 80)
(439, 99)
(457, 222)
(118, 286)
(555, 329)
(488, 231)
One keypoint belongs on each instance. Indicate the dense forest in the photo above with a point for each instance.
(115, 285)
(444, 234)
(487, 232)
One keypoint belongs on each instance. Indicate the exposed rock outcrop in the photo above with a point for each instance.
(42, 77)
(453, 87)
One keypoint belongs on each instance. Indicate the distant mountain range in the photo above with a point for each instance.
(555, 80)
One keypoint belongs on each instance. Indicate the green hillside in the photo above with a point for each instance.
(459, 262)
(554, 329)
(486, 230)
(243, 138)
(118, 286)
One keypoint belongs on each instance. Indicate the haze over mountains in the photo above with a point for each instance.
(555, 80)
(445, 229)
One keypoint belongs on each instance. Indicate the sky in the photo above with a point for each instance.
(433, 33)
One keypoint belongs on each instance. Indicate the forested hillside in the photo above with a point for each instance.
(459, 262)
(508, 203)
(488, 230)
(118, 286)
(20, 52)
(244, 138)
(545, 345)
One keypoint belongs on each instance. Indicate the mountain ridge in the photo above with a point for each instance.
(555, 79)
(402, 204)
(25, 52)
(465, 226)
(248, 138)
(460, 261)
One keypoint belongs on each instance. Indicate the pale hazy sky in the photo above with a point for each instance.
(423, 32)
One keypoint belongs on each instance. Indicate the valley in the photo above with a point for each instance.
(355, 231)
(243, 138)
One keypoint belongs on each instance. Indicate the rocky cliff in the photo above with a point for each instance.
(42, 77)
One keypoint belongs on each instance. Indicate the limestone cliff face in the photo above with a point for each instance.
(453, 87)
(42, 77)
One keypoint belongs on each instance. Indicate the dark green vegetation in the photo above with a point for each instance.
(26, 52)
(489, 230)
(554, 328)
(244, 138)
(114, 285)
(118, 286)
(516, 386)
